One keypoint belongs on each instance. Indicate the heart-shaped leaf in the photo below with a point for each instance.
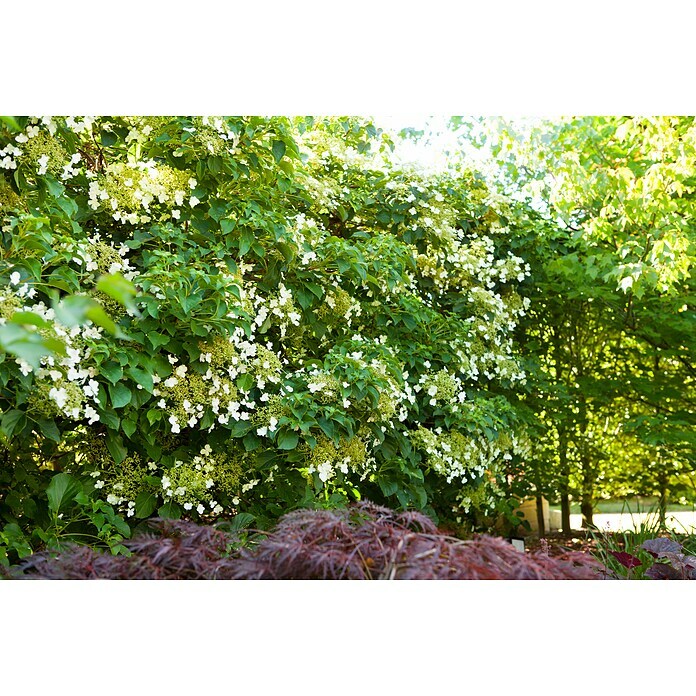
(660, 546)
(662, 571)
(626, 559)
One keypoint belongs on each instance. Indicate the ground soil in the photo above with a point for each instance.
(558, 543)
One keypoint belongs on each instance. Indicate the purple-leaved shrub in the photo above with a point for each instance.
(360, 542)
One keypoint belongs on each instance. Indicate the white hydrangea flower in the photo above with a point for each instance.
(91, 414)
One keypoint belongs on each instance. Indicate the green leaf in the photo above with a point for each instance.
(49, 429)
(61, 490)
(327, 426)
(240, 521)
(109, 418)
(28, 345)
(141, 377)
(108, 138)
(316, 290)
(129, 425)
(304, 297)
(420, 494)
(157, 339)
(11, 123)
(245, 382)
(14, 537)
(227, 225)
(112, 371)
(245, 242)
(117, 287)
(120, 395)
(286, 250)
(278, 150)
(217, 208)
(239, 428)
(122, 528)
(145, 504)
(286, 167)
(287, 439)
(98, 316)
(403, 498)
(64, 279)
(77, 310)
(170, 511)
(11, 420)
(343, 265)
(115, 446)
(72, 310)
(30, 318)
(388, 488)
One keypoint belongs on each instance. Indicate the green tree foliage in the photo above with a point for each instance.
(613, 303)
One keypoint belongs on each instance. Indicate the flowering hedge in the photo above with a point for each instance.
(208, 317)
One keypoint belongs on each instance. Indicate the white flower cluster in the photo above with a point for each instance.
(9, 156)
(22, 291)
(66, 382)
(95, 256)
(79, 125)
(186, 395)
(129, 190)
(279, 310)
(325, 193)
(306, 234)
(442, 389)
(69, 169)
(51, 152)
(467, 261)
(190, 484)
(228, 138)
(465, 460)
(326, 470)
(341, 305)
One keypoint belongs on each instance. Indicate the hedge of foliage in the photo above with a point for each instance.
(234, 317)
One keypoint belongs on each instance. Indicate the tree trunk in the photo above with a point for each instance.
(540, 515)
(587, 510)
(587, 493)
(565, 512)
(563, 485)
(564, 467)
(662, 502)
(588, 471)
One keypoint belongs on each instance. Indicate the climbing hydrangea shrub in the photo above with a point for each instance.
(306, 324)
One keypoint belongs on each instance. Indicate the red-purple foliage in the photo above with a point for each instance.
(626, 559)
(361, 542)
(176, 550)
(367, 542)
